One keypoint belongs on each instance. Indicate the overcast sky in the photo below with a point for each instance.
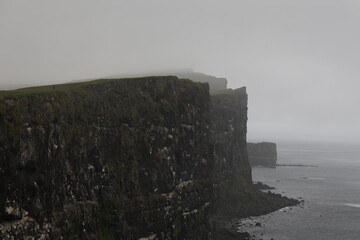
(300, 60)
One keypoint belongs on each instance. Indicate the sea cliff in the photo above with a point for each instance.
(262, 154)
(144, 158)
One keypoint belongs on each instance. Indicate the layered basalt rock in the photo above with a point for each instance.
(119, 159)
(262, 154)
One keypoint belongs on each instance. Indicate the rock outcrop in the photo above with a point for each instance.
(262, 154)
(119, 159)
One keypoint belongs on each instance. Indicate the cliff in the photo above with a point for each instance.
(144, 158)
(229, 129)
(262, 154)
(215, 84)
(118, 159)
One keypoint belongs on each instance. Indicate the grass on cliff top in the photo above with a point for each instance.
(75, 86)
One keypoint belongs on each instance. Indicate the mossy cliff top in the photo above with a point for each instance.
(81, 87)
(122, 100)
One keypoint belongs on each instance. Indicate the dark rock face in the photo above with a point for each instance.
(229, 128)
(119, 159)
(262, 154)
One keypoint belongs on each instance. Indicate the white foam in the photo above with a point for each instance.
(356, 205)
(284, 209)
(313, 178)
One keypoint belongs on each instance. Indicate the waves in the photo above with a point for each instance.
(313, 178)
(355, 205)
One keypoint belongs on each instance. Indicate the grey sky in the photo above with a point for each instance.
(299, 59)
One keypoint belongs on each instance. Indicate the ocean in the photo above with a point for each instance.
(331, 194)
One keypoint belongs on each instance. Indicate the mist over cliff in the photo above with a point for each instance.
(299, 60)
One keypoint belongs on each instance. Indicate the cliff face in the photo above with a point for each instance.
(118, 159)
(262, 154)
(229, 128)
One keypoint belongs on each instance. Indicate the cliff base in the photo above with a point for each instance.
(243, 204)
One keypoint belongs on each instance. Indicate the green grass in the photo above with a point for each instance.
(76, 86)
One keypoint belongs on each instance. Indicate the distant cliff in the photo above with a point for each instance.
(216, 84)
(262, 154)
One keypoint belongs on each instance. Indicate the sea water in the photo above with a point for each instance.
(330, 191)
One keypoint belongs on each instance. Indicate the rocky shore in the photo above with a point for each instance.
(254, 203)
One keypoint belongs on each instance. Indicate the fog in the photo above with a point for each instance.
(298, 59)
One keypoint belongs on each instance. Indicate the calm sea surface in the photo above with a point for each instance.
(331, 193)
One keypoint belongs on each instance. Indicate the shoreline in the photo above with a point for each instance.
(258, 204)
(295, 165)
(246, 226)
